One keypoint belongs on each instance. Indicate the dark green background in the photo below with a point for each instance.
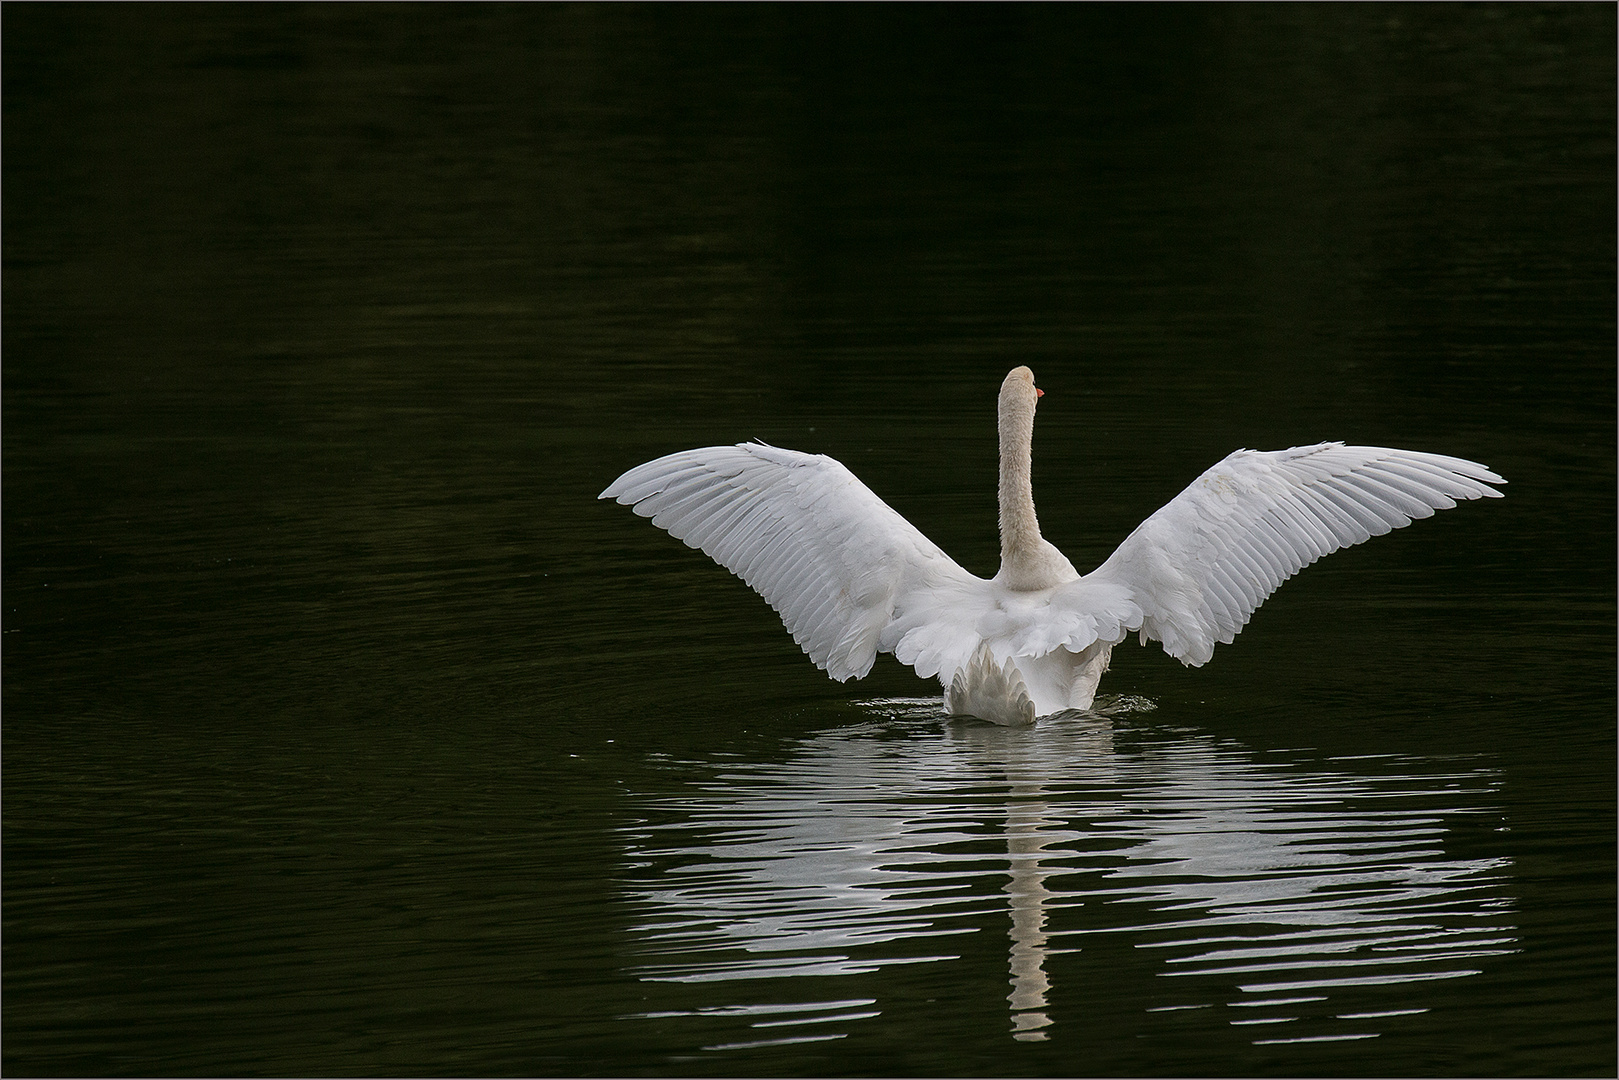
(330, 691)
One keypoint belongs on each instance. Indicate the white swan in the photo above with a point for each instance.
(851, 578)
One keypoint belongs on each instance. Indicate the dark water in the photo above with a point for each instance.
(346, 733)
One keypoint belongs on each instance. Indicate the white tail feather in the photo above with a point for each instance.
(990, 691)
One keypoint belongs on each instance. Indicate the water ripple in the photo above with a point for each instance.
(1318, 897)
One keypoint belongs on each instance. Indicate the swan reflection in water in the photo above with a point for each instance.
(1026, 817)
(1313, 897)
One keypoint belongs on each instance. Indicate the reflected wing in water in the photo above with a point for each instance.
(1303, 899)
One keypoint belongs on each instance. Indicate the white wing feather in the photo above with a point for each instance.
(847, 574)
(1201, 565)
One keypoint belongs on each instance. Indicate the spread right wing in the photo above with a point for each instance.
(1201, 565)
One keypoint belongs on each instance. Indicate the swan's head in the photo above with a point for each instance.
(1019, 391)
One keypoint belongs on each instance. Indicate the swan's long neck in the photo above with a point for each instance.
(1020, 530)
(1028, 563)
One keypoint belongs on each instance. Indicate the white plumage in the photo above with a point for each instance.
(851, 578)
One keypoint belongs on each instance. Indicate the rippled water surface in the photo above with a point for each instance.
(347, 733)
(1317, 899)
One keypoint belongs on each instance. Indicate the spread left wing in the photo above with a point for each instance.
(847, 574)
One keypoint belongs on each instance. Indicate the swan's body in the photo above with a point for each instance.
(851, 578)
